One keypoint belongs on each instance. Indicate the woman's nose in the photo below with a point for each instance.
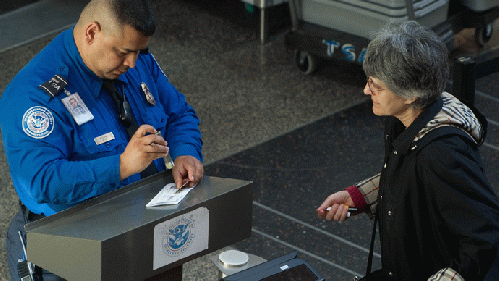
(367, 90)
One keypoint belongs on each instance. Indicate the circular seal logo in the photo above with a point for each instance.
(179, 237)
(38, 122)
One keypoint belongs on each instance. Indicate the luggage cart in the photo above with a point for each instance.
(264, 18)
(338, 29)
(474, 14)
(466, 69)
(325, 30)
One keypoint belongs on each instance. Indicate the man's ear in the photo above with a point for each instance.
(91, 31)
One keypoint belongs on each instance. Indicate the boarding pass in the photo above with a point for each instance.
(169, 195)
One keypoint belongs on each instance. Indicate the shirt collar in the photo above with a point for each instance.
(85, 75)
(94, 82)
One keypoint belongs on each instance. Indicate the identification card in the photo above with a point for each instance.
(77, 108)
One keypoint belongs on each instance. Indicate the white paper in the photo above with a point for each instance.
(169, 195)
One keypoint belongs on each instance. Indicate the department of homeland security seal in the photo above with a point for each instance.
(178, 237)
(38, 122)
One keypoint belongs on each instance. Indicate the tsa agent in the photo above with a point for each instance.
(93, 112)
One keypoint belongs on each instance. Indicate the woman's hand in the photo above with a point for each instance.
(339, 203)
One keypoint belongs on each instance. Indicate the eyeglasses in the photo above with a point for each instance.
(370, 85)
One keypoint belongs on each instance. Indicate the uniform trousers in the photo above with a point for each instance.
(15, 248)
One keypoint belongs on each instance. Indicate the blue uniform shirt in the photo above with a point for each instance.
(56, 163)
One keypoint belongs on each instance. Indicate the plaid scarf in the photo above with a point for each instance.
(457, 114)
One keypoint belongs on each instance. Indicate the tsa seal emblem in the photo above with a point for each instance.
(178, 237)
(38, 122)
(181, 237)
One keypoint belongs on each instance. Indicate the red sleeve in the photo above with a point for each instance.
(357, 197)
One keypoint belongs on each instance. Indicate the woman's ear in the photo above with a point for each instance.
(410, 101)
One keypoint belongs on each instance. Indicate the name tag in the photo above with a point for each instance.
(77, 108)
(104, 138)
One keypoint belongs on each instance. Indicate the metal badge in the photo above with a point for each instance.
(149, 97)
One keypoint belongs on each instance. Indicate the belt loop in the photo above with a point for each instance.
(28, 215)
(24, 211)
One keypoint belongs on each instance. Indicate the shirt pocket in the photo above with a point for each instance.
(95, 141)
(156, 117)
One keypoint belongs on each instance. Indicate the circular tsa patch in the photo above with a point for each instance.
(38, 122)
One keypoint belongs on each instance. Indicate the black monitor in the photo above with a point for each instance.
(285, 268)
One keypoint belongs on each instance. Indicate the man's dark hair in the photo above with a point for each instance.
(135, 13)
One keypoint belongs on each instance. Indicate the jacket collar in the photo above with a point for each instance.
(403, 142)
(456, 114)
(447, 111)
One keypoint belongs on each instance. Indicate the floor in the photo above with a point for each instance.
(298, 138)
(11, 5)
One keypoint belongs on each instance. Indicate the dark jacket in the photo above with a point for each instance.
(435, 206)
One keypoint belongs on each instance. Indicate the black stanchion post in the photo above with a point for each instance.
(463, 80)
(264, 22)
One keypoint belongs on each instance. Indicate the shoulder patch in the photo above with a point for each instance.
(54, 85)
(38, 122)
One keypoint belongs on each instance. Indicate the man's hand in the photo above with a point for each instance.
(187, 168)
(144, 147)
(339, 203)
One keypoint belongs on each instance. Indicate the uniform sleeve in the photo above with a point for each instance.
(38, 144)
(465, 210)
(182, 132)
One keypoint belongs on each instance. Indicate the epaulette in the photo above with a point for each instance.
(54, 85)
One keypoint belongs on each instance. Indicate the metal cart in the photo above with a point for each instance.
(476, 14)
(264, 18)
(341, 29)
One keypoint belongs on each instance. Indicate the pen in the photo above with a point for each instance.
(351, 211)
(168, 159)
(182, 186)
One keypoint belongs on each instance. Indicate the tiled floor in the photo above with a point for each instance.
(298, 138)
(294, 173)
(10, 5)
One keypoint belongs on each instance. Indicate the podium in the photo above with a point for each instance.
(115, 237)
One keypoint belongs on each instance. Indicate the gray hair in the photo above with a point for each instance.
(411, 60)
